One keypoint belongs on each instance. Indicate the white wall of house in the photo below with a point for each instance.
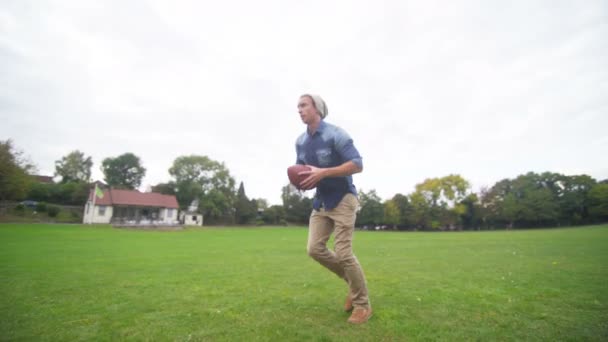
(193, 219)
(103, 214)
(169, 215)
(97, 214)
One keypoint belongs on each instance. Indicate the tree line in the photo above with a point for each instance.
(446, 203)
(529, 200)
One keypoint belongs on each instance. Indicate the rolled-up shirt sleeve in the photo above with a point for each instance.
(347, 150)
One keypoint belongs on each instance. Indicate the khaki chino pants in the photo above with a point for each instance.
(341, 261)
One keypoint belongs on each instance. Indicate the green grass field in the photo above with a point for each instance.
(64, 283)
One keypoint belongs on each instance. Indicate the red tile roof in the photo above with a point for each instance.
(134, 197)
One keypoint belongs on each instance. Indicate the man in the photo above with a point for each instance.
(329, 152)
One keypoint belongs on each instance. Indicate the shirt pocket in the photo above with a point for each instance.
(324, 156)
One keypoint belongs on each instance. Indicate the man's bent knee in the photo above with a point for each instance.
(314, 252)
(346, 259)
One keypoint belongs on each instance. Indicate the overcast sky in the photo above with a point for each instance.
(485, 89)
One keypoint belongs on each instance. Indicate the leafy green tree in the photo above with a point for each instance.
(124, 171)
(441, 197)
(74, 167)
(598, 202)
(573, 199)
(201, 178)
(261, 203)
(72, 193)
(536, 199)
(245, 209)
(296, 205)
(391, 213)
(14, 173)
(444, 191)
(165, 188)
(528, 200)
(217, 206)
(539, 207)
(405, 210)
(274, 215)
(421, 211)
(372, 209)
(471, 216)
(40, 192)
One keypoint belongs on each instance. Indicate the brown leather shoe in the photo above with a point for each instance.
(348, 304)
(360, 315)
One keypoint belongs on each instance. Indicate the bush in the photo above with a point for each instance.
(76, 215)
(67, 216)
(41, 207)
(53, 210)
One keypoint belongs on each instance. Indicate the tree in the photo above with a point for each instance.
(274, 215)
(372, 210)
(165, 188)
(40, 192)
(14, 177)
(124, 171)
(598, 202)
(535, 197)
(492, 202)
(421, 211)
(528, 200)
(262, 203)
(296, 205)
(201, 178)
(74, 167)
(541, 209)
(441, 197)
(72, 193)
(391, 213)
(245, 209)
(405, 210)
(446, 191)
(471, 216)
(573, 199)
(217, 206)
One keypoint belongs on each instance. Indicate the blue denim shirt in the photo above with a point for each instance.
(329, 146)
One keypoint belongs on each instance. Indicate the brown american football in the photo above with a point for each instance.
(293, 174)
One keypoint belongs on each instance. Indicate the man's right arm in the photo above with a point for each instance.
(298, 160)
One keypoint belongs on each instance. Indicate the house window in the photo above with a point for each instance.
(169, 213)
(194, 218)
(87, 208)
(102, 210)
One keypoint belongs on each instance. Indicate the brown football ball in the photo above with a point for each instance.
(294, 178)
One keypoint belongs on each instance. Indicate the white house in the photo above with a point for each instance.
(131, 207)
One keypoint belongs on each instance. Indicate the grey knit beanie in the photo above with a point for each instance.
(319, 104)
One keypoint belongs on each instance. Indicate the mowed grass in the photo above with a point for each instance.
(65, 283)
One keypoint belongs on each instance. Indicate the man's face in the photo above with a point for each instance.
(307, 110)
